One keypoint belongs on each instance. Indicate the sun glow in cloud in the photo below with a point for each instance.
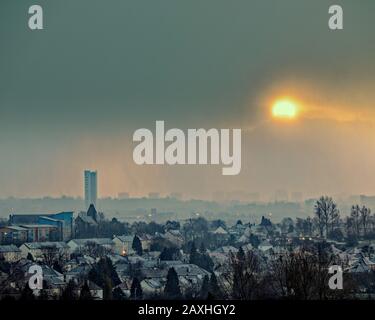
(285, 109)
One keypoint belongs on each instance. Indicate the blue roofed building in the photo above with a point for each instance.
(61, 221)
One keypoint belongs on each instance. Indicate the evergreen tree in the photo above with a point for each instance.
(68, 293)
(137, 245)
(171, 253)
(30, 257)
(118, 294)
(136, 290)
(241, 254)
(57, 266)
(27, 294)
(172, 287)
(85, 292)
(193, 258)
(214, 289)
(5, 266)
(200, 259)
(203, 294)
(193, 248)
(202, 248)
(105, 276)
(254, 240)
(165, 255)
(206, 262)
(107, 288)
(43, 295)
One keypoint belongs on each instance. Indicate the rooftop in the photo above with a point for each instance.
(28, 226)
(46, 245)
(9, 248)
(99, 241)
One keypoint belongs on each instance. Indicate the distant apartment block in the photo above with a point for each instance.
(13, 235)
(28, 232)
(91, 189)
(10, 253)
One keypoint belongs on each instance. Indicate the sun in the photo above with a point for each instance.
(285, 109)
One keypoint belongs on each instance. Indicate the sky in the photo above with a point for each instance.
(72, 94)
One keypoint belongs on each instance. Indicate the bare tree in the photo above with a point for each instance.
(52, 255)
(365, 214)
(95, 250)
(355, 216)
(303, 275)
(327, 214)
(242, 279)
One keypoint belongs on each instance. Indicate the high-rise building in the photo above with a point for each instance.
(91, 190)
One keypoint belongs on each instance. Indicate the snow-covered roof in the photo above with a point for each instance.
(220, 230)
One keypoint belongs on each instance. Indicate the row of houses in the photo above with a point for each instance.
(121, 245)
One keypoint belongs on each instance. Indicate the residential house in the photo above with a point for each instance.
(77, 274)
(125, 286)
(43, 250)
(10, 253)
(226, 250)
(53, 281)
(152, 287)
(146, 241)
(13, 235)
(123, 245)
(95, 291)
(175, 237)
(265, 246)
(190, 277)
(220, 231)
(78, 245)
(361, 264)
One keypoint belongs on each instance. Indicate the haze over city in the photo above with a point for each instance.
(186, 157)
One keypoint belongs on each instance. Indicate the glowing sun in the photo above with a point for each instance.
(285, 109)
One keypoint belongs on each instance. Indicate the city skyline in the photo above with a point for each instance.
(184, 157)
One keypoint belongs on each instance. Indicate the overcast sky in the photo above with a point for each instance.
(72, 94)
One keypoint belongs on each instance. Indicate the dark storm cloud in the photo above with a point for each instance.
(100, 69)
